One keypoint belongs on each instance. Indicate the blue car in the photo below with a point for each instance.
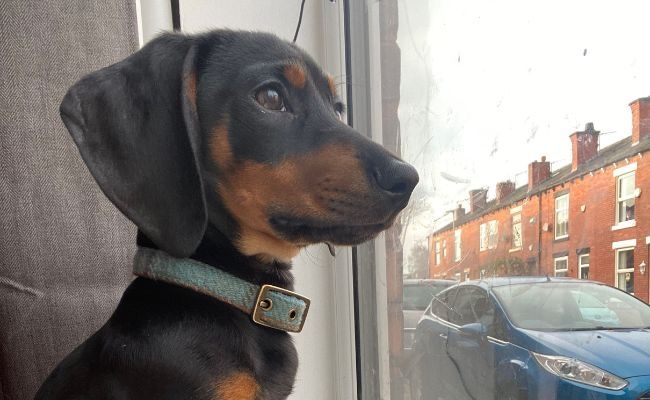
(532, 338)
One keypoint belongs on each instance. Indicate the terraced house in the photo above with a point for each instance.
(589, 219)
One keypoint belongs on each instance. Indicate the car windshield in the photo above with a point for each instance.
(571, 306)
(417, 297)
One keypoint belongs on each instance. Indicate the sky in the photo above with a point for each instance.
(490, 86)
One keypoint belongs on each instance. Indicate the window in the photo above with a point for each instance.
(583, 266)
(489, 235)
(625, 198)
(561, 266)
(517, 240)
(625, 269)
(470, 117)
(562, 216)
(457, 245)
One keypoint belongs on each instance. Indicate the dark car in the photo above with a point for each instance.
(417, 294)
(533, 338)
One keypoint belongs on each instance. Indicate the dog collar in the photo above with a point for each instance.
(267, 305)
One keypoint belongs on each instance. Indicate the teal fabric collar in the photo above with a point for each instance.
(267, 305)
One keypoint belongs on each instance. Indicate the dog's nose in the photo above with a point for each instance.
(396, 177)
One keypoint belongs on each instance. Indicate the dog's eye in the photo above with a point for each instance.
(270, 99)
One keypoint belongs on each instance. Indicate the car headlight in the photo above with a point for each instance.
(576, 370)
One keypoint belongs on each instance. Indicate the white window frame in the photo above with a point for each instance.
(556, 260)
(583, 264)
(562, 217)
(618, 271)
(437, 252)
(621, 198)
(517, 229)
(483, 240)
(458, 245)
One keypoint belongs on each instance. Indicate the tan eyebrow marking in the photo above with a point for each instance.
(296, 75)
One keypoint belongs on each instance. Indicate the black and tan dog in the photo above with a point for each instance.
(228, 153)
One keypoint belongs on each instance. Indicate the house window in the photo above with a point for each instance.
(583, 266)
(444, 249)
(561, 266)
(457, 246)
(489, 235)
(562, 216)
(437, 245)
(517, 241)
(625, 198)
(483, 240)
(625, 269)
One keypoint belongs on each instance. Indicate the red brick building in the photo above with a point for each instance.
(590, 219)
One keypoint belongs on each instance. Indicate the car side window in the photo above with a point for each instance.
(463, 307)
(441, 304)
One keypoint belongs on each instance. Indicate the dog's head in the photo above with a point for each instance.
(238, 130)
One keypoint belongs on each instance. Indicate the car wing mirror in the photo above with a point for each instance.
(475, 329)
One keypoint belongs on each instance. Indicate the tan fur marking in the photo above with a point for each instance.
(250, 188)
(238, 386)
(296, 75)
(220, 150)
(331, 84)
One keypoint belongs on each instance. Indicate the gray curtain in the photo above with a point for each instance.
(65, 251)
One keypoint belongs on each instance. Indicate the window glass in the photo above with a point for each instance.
(625, 269)
(529, 125)
(583, 266)
(561, 266)
(562, 217)
(625, 200)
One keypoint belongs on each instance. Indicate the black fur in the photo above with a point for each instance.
(144, 127)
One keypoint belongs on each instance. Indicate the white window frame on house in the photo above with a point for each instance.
(517, 241)
(437, 249)
(444, 249)
(623, 271)
(565, 270)
(458, 246)
(488, 232)
(625, 197)
(562, 217)
(583, 264)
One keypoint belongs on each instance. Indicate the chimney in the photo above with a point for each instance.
(459, 212)
(538, 172)
(504, 189)
(584, 145)
(477, 200)
(640, 119)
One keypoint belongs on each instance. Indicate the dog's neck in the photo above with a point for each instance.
(216, 250)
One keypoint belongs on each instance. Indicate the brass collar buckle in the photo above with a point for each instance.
(280, 308)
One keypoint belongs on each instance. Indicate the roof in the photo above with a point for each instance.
(515, 280)
(613, 153)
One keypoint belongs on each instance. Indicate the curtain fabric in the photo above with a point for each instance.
(65, 251)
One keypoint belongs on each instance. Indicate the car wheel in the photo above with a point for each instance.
(510, 391)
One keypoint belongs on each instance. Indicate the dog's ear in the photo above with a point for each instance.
(136, 127)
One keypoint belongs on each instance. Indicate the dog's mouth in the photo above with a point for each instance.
(308, 231)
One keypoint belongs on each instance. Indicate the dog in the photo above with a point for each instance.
(228, 152)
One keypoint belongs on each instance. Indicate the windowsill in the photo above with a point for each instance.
(626, 224)
(561, 239)
(514, 250)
